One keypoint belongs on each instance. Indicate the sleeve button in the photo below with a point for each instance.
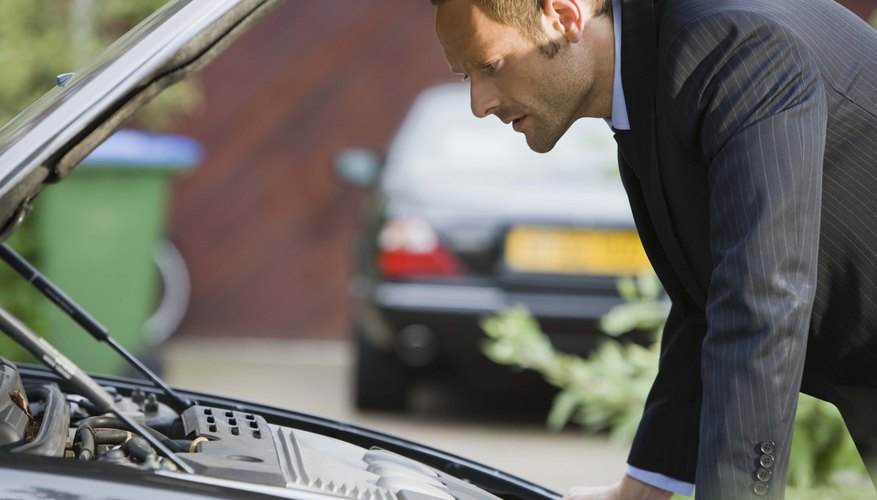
(766, 461)
(760, 488)
(763, 475)
(767, 447)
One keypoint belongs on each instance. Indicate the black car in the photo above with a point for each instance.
(466, 220)
(65, 434)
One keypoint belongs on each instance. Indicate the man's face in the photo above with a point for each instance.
(512, 78)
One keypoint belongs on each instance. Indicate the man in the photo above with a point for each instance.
(747, 134)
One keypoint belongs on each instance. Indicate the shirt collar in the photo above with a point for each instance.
(618, 120)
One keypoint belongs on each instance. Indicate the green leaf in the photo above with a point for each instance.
(562, 409)
(627, 288)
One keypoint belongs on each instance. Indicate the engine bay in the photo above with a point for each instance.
(39, 418)
(149, 431)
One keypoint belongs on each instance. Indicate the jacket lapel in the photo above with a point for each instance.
(637, 146)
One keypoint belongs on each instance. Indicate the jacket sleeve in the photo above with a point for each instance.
(667, 436)
(756, 113)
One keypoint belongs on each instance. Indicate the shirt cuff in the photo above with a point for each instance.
(661, 481)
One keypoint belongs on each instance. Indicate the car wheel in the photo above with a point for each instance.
(381, 381)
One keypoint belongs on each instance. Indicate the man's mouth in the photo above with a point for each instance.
(517, 123)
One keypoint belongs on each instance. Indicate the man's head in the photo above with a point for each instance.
(538, 64)
(525, 14)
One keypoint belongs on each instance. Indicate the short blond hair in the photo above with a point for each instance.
(524, 14)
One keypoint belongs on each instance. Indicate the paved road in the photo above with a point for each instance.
(313, 377)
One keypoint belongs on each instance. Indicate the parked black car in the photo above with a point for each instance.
(465, 220)
(65, 434)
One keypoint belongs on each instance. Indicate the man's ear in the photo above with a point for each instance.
(566, 17)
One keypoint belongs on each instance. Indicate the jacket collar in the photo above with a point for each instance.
(638, 145)
(638, 56)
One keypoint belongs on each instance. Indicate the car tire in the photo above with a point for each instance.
(381, 381)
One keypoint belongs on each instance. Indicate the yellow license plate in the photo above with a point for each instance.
(574, 251)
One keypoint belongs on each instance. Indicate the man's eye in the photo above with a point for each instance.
(489, 67)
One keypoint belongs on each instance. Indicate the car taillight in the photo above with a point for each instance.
(410, 247)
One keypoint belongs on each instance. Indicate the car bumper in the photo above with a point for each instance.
(425, 324)
(468, 300)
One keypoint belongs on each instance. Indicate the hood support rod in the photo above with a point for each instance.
(83, 319)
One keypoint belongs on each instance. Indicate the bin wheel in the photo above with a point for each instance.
(176, 287)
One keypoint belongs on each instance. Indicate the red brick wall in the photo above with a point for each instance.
(265, 228)
(864, 8)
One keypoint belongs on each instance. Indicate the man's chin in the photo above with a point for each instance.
(541, 144)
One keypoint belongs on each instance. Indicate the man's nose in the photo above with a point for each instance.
(483, 98)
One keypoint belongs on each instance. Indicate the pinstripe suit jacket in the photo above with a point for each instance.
(751, 167)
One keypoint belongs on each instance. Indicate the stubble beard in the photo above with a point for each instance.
(542, 140)
(560, 109)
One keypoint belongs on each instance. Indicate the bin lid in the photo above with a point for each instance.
(135, 148)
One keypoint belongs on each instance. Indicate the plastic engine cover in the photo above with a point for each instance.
(245, 447)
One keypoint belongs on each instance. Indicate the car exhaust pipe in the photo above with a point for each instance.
(417, 346)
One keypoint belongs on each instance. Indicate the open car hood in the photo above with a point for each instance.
(48, 139)
(65, 434)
